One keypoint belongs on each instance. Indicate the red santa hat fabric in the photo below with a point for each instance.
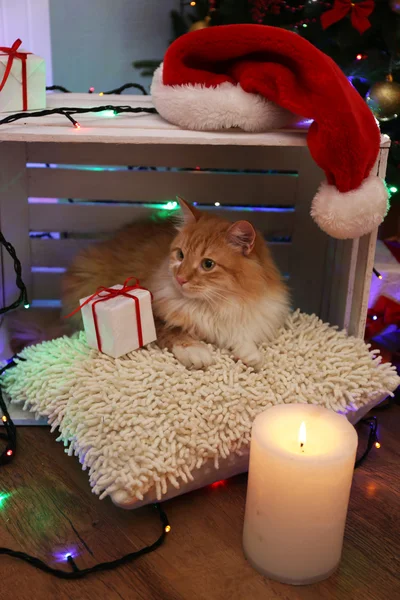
(258, 78)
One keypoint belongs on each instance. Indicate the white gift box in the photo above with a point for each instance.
(117, 322)
(12, 94)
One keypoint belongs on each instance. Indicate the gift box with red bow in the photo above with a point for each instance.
(119, 319)
(22, 79)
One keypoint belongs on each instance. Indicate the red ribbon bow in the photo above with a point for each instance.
(359, 14)
(105, 294)
(385, 312)
(12, 54)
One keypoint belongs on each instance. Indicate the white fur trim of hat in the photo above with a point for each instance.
(210, 108)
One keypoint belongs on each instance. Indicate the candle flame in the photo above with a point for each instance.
(302, 434)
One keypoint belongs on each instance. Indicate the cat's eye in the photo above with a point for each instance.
(179, 254)
(207, 264)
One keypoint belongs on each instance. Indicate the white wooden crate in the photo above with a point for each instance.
(268, 179)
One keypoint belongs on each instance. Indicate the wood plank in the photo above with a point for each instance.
(59, 253)
(341, 260)
(160, 186)
(364, 266)
(46, 285)
(202, 558)
(91, 218)
(167, 155)
(361, 283)
(56, 253)
(309, 244)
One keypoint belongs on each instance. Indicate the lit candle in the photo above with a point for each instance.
(301, 466)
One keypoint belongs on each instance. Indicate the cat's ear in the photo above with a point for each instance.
(189, 214)
(242, 236)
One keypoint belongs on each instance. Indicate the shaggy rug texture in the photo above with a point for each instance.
(144, 422)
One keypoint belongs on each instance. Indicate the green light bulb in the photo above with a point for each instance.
(3, 497)
(393, 189)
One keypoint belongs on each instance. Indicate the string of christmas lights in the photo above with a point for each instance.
(23, 294)
(118, 90)
(372, 422)
(69, 111)
(10, 435)
(77, 573)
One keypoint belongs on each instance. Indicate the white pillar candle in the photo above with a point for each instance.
(301, 466)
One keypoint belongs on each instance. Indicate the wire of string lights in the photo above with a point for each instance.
(118, 90)
(77, 573)
(69, 111)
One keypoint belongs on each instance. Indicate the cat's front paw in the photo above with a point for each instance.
(195, 355)
(250, 356)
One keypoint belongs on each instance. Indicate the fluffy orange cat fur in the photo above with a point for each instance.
(212, 282)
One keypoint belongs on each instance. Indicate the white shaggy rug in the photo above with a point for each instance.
(143, 424)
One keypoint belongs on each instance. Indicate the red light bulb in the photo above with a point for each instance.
(9, 452)
(218, 483)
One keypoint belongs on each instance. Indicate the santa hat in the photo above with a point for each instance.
(258, 78)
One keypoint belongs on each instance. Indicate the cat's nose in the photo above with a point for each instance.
(181, 280)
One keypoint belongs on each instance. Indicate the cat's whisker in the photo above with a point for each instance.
(208, 297)
(219, 296)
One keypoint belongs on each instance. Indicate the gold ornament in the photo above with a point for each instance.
(395, 6)
(200, 24)
(384, 99)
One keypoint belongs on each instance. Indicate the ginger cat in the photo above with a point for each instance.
(212, 282)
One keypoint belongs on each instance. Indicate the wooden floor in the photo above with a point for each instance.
(51, 509)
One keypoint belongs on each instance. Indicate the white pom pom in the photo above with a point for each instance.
(351, 214)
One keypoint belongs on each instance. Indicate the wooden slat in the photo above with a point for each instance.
(90, 218)
(46, 285)
(281, 254)
(168, 155)
(364, 266)
(56, 253)
(159, 186)
(59, 253)
(309, 244)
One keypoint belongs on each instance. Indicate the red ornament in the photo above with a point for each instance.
(359, 14)
(261, 7)
(384, 313)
